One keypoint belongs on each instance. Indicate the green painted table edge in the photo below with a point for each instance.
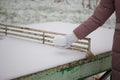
(74, 70)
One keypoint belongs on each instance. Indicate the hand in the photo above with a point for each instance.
(64, 41)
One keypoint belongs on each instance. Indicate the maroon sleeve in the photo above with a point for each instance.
(100, 15)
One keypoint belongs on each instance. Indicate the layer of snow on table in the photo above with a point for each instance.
(20, 57)
(101, 39)
(60, 27)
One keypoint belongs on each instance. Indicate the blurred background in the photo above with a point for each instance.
(39, 11)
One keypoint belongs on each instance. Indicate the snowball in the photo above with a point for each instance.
(60, 40)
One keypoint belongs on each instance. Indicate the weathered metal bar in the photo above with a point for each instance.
(2, 32)
(89, 45)
(71, 48)
(89, 53)
(46, 40)
(24, 36)
(48, 36)
(30, 32)
(74, 70)
(37, 30)
(6, 30)
(80, 42)
(49, 42)
(43, 38)
(2, 28)
(31, 29)
(26, 28)
(86, 48)
(25, 32)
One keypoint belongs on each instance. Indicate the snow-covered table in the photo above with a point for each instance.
(19, 57)
(101, 39)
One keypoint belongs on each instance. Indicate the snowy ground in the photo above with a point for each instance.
(38, 11)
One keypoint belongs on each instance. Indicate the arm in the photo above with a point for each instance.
(100, 15)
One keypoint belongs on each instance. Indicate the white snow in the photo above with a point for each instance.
(101, 39)
(20, 57)
(60, 27)
(60, 40)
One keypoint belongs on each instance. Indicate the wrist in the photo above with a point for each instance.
(73, 36)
